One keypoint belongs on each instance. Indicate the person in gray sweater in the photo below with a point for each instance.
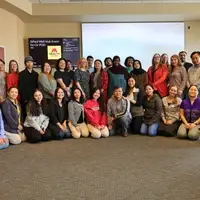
(153, 108)
(36, 122)
(76, 115)
(118, 111)
(47, 83)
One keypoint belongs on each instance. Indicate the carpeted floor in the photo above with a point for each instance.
(116, 168)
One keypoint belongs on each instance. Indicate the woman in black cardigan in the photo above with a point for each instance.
(58, 115)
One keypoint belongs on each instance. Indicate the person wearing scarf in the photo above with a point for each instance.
(139, 74)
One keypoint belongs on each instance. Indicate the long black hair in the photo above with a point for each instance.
(64, 100)
(100, 99)
(98, 60)
(81, 98)
(36, 109)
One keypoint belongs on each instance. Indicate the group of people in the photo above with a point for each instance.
(100, 101)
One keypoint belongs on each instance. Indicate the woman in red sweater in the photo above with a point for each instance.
(13, 76)
(157, 76)
(96, 115)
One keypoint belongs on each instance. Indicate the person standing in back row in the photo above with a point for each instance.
(28, 82)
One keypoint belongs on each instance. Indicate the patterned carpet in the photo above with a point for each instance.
(116, 168)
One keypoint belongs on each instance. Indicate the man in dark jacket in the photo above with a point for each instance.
(28, 82)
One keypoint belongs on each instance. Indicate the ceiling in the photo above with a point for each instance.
(112, 1)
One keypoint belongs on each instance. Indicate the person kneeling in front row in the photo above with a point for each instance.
(118, 111)
(96, 116)
(59, 116)
(76, 123)
(152, 114)
(36, 122)
(190, 115)
(12, 117)
(3, 139)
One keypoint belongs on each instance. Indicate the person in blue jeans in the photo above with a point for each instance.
(153, 108)
(3, 140)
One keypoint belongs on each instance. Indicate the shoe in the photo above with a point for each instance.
(124, 134)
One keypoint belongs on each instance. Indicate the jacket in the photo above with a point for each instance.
(93, 113)
(11, 116)
(47, 85)
(74, 110)
(28, 82)
(55, 114)
(159, 79)
(153, 109)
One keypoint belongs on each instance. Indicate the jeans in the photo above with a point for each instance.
(151, 130)
(120, 125)
(4, 146)
(66, 134)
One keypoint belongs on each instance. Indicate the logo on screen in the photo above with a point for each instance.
(54, 52)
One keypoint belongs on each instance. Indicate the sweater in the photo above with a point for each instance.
(39, 123)
(178, 77)
(171, 111)
(194, 75)
(12, 80)
(47, 85)
(138, 96)
(93, 113)
(118, 108)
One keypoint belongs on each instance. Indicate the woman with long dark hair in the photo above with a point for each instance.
(99, 79)
(59, 116)
(135, 95)
(76, 118)
(157, 76)
(47, 83)
(37, 121)
(96, 115)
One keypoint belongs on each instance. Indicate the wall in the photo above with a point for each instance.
(11, 36)
(192, 36)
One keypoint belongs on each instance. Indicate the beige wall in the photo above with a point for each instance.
(14, 31)
(192, 36)
(11, 37)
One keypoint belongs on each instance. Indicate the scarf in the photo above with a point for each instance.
(138, 71)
